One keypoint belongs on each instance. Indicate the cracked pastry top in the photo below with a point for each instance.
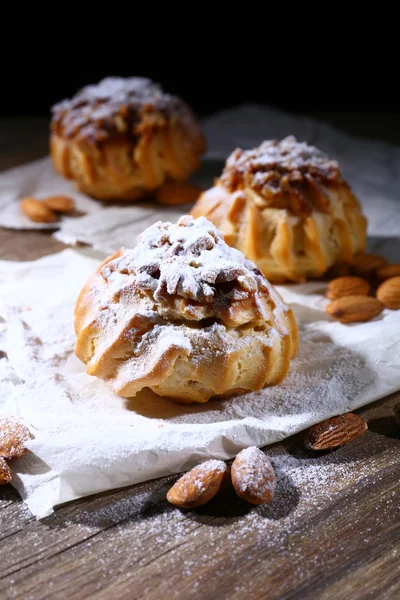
(287, 207)
(185, 315)
(123, 138)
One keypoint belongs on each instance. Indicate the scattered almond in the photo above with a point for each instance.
(365, 264)
(352, 309)
(253, 476)
(5, 472)
(347, 286)
(13, 437)
(335, 432)
(198, 486)
(37, 211)
(389, 293)
(172, 194)
(60, 204)
(387, 272)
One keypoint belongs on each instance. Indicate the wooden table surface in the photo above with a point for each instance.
(333, 532)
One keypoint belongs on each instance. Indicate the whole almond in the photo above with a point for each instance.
(173, 194)
(335, 432)
(253, 476)
(389, 293)
(60, 204)
(386, 272)
(198, 486)
(352, 309)
(37, 211)
(5, 472)
(13, 438)
(347, 286)
(365, 264)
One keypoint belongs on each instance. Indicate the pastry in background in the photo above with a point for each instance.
(123, 138)
(185, 315)
(286, 206)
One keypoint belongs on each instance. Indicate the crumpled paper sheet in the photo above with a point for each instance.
(371, 167)
(87, 440)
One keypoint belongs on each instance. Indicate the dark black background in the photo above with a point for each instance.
(313, 60)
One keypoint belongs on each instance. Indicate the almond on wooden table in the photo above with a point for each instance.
(347, 286)
(173, 194)
(335, 432)
(198, 486)
(365, 264)
(253, 476)
(389, 293)
(352, 309)
(13, 438)
(37, 211)
(60, 204)
(5, 472)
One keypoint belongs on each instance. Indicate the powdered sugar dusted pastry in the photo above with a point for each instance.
(122, 138)
(286, 206)
(185, 315)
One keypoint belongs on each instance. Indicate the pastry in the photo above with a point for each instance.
(122, 138)
(185, 315)
(286, 206)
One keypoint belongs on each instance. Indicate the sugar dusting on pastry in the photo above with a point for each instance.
(276, 166)
(185, 315)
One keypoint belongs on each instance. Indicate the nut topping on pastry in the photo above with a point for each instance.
(286, 206)
(183, 314)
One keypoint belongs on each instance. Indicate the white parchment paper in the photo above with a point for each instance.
(86, 439)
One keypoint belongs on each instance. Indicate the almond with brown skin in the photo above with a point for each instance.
(173, 194)
(352, 309)
(389, 293)
(387, 272)
(347, 286)
(37, 211)
(5, 472)
(335, 432)
(253, 476)
(13, 438)
(60, 204)
(365, 264)
(198, 486)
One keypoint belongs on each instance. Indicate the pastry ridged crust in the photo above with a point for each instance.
(123, 138)
(184, 315)
(286, 206)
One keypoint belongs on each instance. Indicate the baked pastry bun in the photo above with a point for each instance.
(185, 315)
(122, 138)
(286, 206)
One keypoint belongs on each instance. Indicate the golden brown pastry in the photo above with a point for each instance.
(122, 138)
(185, 315)
(286, 206)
